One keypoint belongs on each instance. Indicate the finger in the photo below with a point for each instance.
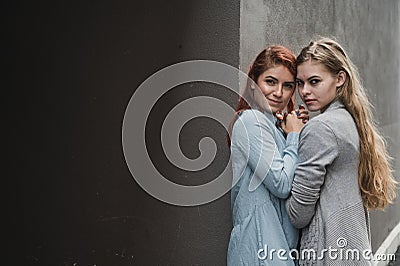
(303, 116)
(285, 115)
(283, 125)
(303, 112)
(302, 107)
(291, 118)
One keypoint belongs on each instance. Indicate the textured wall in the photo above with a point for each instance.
(370, 32)
(72, 68)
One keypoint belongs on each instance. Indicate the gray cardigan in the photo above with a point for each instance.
(326, 200)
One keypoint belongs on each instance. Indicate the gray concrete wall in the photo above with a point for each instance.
(370, 32)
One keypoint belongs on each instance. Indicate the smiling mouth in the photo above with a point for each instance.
(274, 102)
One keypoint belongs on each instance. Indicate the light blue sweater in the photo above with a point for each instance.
(263, 163)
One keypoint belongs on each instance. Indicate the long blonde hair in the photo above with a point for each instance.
(375, 178)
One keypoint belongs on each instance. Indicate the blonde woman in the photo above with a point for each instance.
(343, 165)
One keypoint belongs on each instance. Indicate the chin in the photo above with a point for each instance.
(313, 108)
(274, 110)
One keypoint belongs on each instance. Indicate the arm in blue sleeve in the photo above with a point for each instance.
(258, 145)
(318, 148)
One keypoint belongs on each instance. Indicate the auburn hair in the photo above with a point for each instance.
(271, 56)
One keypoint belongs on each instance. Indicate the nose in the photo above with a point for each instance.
(278, 92)
(304, 90)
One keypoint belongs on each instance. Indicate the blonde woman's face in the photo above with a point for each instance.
(277, 85)
(316, 85)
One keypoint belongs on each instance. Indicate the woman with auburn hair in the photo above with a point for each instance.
(263, 161)
(343, 167)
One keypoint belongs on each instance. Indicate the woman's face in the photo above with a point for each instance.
(277, 84)
(317, 86)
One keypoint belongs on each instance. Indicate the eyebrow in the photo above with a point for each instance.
(312, 77)
(271, 77)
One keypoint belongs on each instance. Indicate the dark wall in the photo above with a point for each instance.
(72, 68)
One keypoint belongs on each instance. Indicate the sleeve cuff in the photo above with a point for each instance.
(292, 139)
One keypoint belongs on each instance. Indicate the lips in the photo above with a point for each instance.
(274, 102)
(309, 101)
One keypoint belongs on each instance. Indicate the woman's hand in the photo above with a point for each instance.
(292, 123)
(302, 113)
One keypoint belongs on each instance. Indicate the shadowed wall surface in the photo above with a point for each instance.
(72, 69)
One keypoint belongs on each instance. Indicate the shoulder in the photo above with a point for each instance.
(330, 122)
(318, 123)
(253, 124)
(336, 117)
(319, 128)
(251, 115)
(254, 118)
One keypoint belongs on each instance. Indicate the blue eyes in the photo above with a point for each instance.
(314, 81)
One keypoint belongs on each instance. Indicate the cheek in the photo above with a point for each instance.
(265, 89)
(330, 94)
(330, 88)
(287, 95)
(333, 91)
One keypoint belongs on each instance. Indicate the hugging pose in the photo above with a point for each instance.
(301, 188)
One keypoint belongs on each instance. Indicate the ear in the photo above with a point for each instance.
(341, 78)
